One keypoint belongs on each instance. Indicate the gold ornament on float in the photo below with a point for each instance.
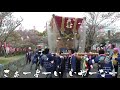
(69, 23)
(68, 36)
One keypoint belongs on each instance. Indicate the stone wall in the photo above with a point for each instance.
(13, 67)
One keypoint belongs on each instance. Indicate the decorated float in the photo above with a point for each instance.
(65, 33)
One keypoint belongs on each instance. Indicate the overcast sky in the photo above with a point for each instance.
(39, 19)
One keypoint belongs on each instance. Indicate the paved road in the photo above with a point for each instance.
(33, 72)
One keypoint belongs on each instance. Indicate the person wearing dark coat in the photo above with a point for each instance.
(28, 56)
(36, 58)
(105, 66)
(60, 65)
(71, 63)
(89, 65)
(48, 62)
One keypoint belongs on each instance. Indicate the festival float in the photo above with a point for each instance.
(65, 33)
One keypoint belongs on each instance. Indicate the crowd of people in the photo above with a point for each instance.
(70, 65)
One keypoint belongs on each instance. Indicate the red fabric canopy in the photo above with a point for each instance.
(58, 20)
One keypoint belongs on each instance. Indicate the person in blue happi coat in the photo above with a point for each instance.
(105, 66)
(60, 65)
(47, 60)
(89, 65)
(70, 63)
(37, 58)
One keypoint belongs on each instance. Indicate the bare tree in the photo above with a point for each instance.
(114, 36)
(96, 21)
(7, 25)
(30, 38)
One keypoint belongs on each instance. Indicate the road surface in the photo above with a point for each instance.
(32, 72)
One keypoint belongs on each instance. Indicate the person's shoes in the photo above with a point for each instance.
(55, 73)
(70, 73)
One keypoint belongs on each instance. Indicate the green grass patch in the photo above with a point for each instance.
(6, 60)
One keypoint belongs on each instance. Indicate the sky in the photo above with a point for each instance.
(39, 19)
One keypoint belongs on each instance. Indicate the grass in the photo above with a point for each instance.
(6, 60)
